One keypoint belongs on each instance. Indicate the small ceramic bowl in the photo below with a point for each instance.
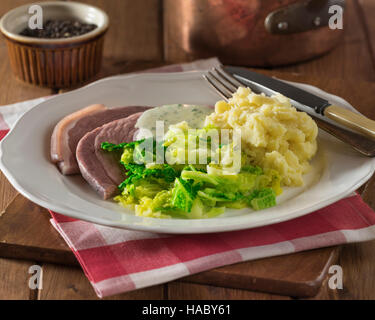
(55, 63)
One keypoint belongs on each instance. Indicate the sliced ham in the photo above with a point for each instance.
(73, 127)
(102, 169)
(61, 153)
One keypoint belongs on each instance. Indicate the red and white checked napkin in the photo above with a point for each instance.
(117, 261)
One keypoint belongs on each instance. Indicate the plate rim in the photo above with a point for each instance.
(157, 228)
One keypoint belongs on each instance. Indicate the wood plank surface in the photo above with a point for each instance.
(66, 283)
(366, 9)
(14, 278)
(325, 293)
(135, 30)
(358, 263)
(11, 89)
(184, 291)
(300, 275)
(21, 236)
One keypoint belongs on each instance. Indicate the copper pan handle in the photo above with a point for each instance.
(301, 16)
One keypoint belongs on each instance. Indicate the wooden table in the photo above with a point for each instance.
(348, 71)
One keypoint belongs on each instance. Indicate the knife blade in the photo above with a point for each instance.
(303, 99)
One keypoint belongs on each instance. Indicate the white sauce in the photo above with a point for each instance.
(172, 114)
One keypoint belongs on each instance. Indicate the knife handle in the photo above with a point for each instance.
(351, 120)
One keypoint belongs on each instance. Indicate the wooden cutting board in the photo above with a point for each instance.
(26, 233)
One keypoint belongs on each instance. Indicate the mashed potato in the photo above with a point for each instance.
(273, 133)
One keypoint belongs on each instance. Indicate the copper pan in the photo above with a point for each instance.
(248, 32)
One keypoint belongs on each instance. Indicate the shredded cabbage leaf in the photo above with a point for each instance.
(192, 191)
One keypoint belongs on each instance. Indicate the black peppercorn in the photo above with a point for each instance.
(55, 29)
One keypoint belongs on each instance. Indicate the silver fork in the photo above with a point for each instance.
(226, 84)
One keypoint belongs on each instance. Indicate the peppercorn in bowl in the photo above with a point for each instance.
(65, 52)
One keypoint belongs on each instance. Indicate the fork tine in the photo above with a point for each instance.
(223, 81)
(230, 78)
(225, 93)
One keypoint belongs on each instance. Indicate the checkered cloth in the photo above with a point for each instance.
(117, 261)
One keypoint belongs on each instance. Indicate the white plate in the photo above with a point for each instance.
(24, 159)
